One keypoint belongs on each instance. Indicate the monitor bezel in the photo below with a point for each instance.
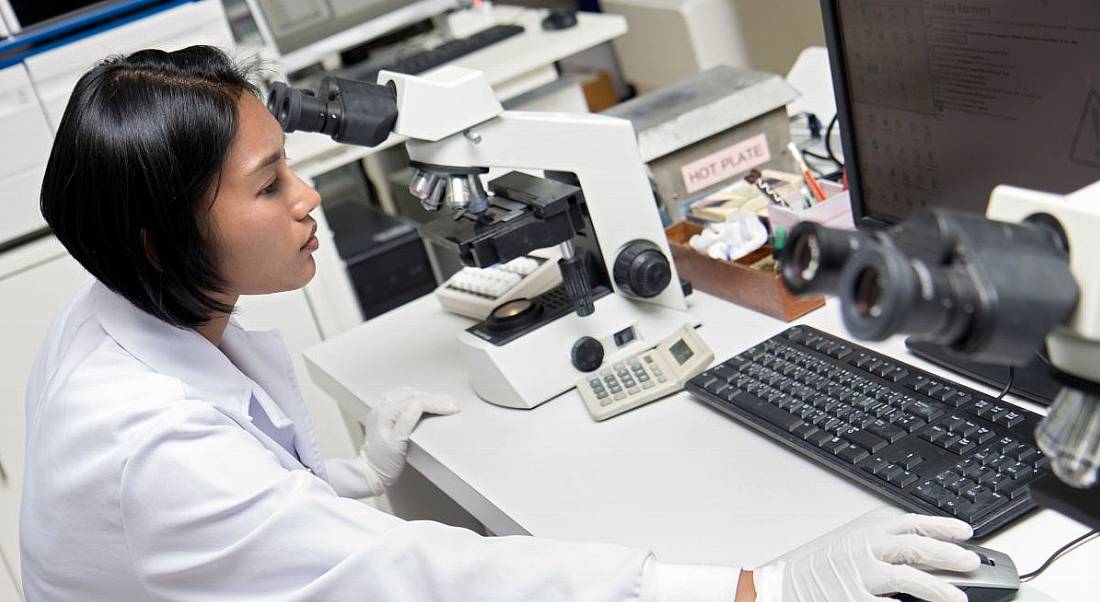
(830, 16)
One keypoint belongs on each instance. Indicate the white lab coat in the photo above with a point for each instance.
(146, 480)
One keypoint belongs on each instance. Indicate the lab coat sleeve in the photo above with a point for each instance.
(667, 582)
(354, 478)
(209, 514)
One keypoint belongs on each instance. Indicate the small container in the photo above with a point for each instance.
(736, 281)
(835, 211)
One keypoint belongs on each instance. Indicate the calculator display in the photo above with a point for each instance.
(681, 351)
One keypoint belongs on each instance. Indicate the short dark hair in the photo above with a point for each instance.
(134, 167)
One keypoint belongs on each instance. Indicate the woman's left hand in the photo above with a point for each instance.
(390, 423)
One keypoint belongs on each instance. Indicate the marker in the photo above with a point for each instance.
(806, 175)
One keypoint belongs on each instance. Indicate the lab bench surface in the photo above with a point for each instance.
(673, 476)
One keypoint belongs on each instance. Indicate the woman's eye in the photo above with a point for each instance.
(271, 188)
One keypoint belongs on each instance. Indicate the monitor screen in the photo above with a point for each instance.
(941, 100)
(298, 23)
(32, 12)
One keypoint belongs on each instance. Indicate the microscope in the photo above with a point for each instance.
(620, 293)
(989, 289)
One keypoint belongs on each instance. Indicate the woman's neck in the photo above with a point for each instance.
(213, 329)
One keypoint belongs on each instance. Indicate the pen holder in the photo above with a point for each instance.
(835, 211)
(738, 282)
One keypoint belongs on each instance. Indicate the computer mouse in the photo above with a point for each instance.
(995, 579)
(560, 18)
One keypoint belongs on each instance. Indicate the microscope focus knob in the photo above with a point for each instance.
(587, 354)
(642, 270)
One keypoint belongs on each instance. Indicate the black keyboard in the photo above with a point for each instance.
(427, 59)
(928, 444)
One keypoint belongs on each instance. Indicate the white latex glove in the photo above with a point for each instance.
(867, 564)
(389, 424)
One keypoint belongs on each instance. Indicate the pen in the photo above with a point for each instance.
(806, 175)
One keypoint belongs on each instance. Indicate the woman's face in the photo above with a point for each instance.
(260, 233)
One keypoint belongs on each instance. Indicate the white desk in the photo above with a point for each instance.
(512, 66)
(675, 476)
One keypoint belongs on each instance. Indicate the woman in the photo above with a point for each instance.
(169, 454)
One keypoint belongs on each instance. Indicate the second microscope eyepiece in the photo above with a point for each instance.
(814, 257)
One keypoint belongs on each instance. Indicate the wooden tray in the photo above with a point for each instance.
(736, 282)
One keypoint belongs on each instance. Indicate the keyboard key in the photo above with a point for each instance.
(904, 479)
(890, 473)
(876, 465)
(864, 439)
(886, 430)
(910, 460)
(961, 446)
(804, 430)
(766, 411)
(853, 454)
(1019, 471)
(833, 445)
(931, 493)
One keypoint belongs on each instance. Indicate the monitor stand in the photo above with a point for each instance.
(1032, 382)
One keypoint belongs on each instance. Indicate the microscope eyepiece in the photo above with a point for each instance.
(943, 277)
(349, 111)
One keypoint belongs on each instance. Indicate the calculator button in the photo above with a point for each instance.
(661, 379)
(633, 390)
(647, 385)
(604, 403)
(620, 396)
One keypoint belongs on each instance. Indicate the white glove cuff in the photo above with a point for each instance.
(665, 582)
(768, 582)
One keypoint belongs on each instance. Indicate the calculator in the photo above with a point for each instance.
(648, 376)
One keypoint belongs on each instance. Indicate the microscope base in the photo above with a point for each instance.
(537, 366)
(1082, 505)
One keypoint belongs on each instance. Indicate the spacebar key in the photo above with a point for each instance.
(766, 411)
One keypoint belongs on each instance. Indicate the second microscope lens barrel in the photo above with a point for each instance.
(814, 257)
(884, 294)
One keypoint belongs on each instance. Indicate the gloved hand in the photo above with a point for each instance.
(866, 564)
(390, 422)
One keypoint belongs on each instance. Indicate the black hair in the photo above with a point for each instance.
(133, 172)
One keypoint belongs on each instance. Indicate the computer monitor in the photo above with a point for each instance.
(20, 15)
(304, 31)
(939, 101)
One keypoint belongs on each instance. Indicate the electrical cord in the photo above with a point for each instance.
(1058, 554)
(1008, 385)
(829, 141)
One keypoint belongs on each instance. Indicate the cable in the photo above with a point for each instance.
(829, 141)
(1062, 550)
(1008, 385)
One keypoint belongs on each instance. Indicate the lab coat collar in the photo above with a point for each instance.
(248, 363)
(206, 373)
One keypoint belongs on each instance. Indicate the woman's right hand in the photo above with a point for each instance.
(868, 564)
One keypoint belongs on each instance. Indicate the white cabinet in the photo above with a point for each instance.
(9, 592)
(36, 281)
(25, 140)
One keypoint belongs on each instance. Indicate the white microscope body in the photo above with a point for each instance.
(453, 119)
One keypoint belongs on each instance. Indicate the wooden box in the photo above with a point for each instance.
(760, 290)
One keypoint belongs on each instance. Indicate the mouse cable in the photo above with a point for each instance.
(1055, 556)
